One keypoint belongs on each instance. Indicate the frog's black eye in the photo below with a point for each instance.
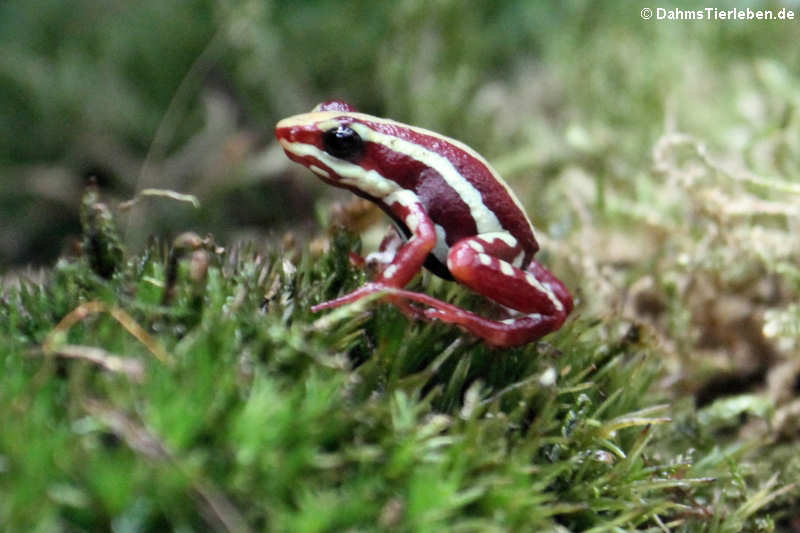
(343, 142)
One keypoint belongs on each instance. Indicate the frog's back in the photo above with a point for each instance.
(460, 190)
(461, 193)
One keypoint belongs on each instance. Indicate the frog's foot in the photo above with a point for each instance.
(512, 331)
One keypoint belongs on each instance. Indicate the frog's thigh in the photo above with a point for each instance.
(488, 264)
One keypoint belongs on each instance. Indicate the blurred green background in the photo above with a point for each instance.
(184, 95)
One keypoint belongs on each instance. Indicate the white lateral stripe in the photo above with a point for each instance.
(320, 171)
(404, 197)
(369, 181)
(485, 219)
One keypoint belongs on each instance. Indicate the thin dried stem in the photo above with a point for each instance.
(54, 340)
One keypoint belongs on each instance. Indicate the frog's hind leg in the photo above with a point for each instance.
(486, 264)
(490, 265)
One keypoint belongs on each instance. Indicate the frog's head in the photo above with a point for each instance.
(371, 156)
(324, 141)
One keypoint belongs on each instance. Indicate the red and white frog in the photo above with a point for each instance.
(457, 216)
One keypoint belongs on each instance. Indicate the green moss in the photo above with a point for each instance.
(268, 416)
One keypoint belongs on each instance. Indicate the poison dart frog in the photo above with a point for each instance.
(454, 213)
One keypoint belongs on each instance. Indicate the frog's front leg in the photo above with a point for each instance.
(408, 258)
(376, 262)
(486, 264)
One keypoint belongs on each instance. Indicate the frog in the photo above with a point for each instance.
(455, 216)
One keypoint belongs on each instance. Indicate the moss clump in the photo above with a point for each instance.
(257, 414)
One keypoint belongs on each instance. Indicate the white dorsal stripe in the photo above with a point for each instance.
(485, 219)
(461, 146)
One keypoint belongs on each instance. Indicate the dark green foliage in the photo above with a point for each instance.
(101, 243)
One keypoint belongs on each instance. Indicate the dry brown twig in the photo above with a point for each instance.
(54, 342)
